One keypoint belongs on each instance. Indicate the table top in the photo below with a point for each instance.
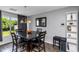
(27, 36)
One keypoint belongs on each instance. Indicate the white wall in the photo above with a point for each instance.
(54, 20)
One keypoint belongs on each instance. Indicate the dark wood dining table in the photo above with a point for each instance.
(28, 38)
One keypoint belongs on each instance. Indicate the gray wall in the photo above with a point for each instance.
(54, 20)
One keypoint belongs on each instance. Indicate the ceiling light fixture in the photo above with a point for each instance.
(25, 6)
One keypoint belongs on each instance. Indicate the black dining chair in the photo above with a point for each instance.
(16, 42)
(39, 43)
(39, 30)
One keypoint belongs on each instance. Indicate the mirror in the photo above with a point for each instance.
(41, 22)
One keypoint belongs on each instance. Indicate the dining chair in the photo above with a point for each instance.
(39, 30)
(39, 43)
(16, 42)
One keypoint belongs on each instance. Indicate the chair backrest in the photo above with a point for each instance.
(14, 38)
(39, 29)
(42, 35)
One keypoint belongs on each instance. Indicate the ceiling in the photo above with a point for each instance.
(29, 10)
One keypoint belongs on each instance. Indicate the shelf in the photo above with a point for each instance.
(71, 32)
(72, 43)
(72, 25)
(71, 20)
(71, 38)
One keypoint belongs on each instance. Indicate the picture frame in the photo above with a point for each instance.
(41, 22)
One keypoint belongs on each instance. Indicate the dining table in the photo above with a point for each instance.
(28, 38)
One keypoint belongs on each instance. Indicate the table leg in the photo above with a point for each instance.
(28, 47)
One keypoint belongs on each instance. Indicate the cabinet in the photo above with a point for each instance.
(72, 30)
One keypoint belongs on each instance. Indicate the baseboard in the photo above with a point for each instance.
(48, 42)
(5, 43)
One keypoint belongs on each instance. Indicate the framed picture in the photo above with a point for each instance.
(41, 22)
